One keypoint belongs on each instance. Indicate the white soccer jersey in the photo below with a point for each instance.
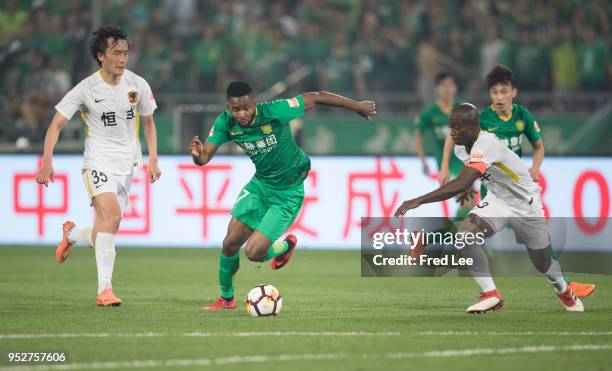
(503, 172)
(111, 115)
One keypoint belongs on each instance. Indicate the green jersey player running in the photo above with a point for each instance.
(267, 206)
(433, 119)
(509, 122)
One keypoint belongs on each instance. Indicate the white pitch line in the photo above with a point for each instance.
(515, 333)
(309, 357)
(192, 334)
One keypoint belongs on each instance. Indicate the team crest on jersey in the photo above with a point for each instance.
(266, 129)
(476, 156)
(293, 102)
(133, 97)
(520, 125)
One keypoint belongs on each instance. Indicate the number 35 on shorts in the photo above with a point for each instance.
(95, 181)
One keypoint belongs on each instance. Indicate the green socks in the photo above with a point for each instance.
(277, 248)
(228, 266)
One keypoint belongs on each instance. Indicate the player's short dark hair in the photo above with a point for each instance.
(97, 40)
(443, 76)
(500, 74)
(238, 89)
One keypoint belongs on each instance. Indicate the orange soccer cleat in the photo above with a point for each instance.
(281, 260)
(490, 300)
(108, 299)
(221, 303)
(582, 290)
(63, 248)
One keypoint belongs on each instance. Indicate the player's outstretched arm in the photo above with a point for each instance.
(45, 173)
(366, 109)
(202, 152)
(461, 184)
(150, 133)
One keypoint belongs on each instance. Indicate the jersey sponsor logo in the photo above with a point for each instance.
(520, 125)
(476, 156)
(537, 127)
(132, 97)
(266, 129)
(293, 102)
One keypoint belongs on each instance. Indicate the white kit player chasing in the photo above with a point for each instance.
(113, 102)
(513, 199)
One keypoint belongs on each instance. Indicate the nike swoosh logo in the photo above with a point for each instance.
(99, 185)
(98, 100)
(235, 132)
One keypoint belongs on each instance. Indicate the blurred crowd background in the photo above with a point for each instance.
(390, 50)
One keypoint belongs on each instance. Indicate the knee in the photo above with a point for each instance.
(111, 219)
(230, 247)
(254, 253)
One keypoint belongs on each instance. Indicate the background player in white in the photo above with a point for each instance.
(113, 103)
(513, 199)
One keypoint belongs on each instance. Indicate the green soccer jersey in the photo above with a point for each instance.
(510, 130)
(268, 141)
(433, 119)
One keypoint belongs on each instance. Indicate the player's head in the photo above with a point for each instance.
(240, 102)
(109, 45)
(446, 87)
(502, 88)
(464, 123)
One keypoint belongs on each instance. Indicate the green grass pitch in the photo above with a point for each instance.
(332, 319)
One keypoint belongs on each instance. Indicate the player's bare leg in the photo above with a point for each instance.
(259, 248)
(108, 218)
(229, 263)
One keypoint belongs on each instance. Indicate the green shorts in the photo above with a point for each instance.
(271, 211)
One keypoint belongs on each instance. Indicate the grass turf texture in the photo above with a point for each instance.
(164, 289)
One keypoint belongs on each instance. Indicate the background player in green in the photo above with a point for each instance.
(509, 122)
(267, 206)
(433, 120)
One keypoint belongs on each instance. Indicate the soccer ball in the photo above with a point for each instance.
(264, 300)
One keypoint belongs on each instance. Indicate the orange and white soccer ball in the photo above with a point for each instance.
(264, 300)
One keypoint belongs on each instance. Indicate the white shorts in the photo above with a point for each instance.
(526, 218)
(97, 182)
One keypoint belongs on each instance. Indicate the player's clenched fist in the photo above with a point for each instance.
(154, 172)
(196, 148)
(366, 109)
(45, 174)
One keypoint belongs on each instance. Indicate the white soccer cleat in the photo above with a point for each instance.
(570, 301)
(489, 300)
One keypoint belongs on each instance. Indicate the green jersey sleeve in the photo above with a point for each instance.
(422, 121)
(219, 133)
(284, 110)
(532, 130)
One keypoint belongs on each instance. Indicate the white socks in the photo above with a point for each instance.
(105, 259)
(555, 277)
(485, 283)
(81, 236)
